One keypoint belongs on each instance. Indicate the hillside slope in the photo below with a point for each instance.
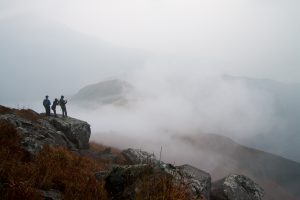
(282, 139)
(269, 170)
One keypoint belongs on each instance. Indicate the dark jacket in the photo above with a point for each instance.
(62, 103)
(55, 103)
(46, 103)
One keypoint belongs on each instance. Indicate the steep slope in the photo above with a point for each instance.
(268, 169)
(283, 139)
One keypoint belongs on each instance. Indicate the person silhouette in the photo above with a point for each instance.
(53, 107)
(62, 104)
(47, 104)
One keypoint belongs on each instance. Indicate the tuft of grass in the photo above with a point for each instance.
(14, 166)
(6, 110)
(100, 148)
(160, 186)
(58, 168)
(23, 113)
(29, 115)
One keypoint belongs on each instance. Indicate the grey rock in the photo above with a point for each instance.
(51, 194)
(236, 187)
(136, 156)
(77, 131)
(31, 145)
(123, 177)
(199, 181)
(68, 132)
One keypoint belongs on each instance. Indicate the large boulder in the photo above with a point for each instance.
(236, 187)
(37, 130)
(137, 156)
(198, 181)
(77, 131)
(122, 181)
(125, 182)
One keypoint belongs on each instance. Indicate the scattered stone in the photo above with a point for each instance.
(199, 181)
(236, 187)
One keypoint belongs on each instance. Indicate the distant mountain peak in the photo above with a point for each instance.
(103, 92)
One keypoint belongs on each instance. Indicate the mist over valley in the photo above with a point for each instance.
(213, 84)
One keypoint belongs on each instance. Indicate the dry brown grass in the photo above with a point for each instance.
(100, 148)
(70, 173)
(23, 113)
(52, 168)
(160, 186)
(29, 115)
(6, 110)
(21, 176)
(14, 177)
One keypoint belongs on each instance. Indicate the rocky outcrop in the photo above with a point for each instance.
(77, 131)
(38, 130)
(135, 156)
(197, 181)
(122, 181)
(236, 187)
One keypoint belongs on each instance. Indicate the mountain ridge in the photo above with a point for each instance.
(257, 164)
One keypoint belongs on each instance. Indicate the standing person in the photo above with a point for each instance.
(62, 104)
(47, 104)
(53, 107)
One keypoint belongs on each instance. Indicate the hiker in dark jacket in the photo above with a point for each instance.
(53, 107)
(47, 104)
(62, 104)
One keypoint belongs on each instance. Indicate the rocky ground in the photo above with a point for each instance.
(128, 174)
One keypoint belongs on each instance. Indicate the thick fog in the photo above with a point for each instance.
(180, 101)
(175, 55)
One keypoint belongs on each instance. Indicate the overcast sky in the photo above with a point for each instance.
(256, 38)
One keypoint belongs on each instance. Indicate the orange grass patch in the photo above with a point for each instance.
(52, 168)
